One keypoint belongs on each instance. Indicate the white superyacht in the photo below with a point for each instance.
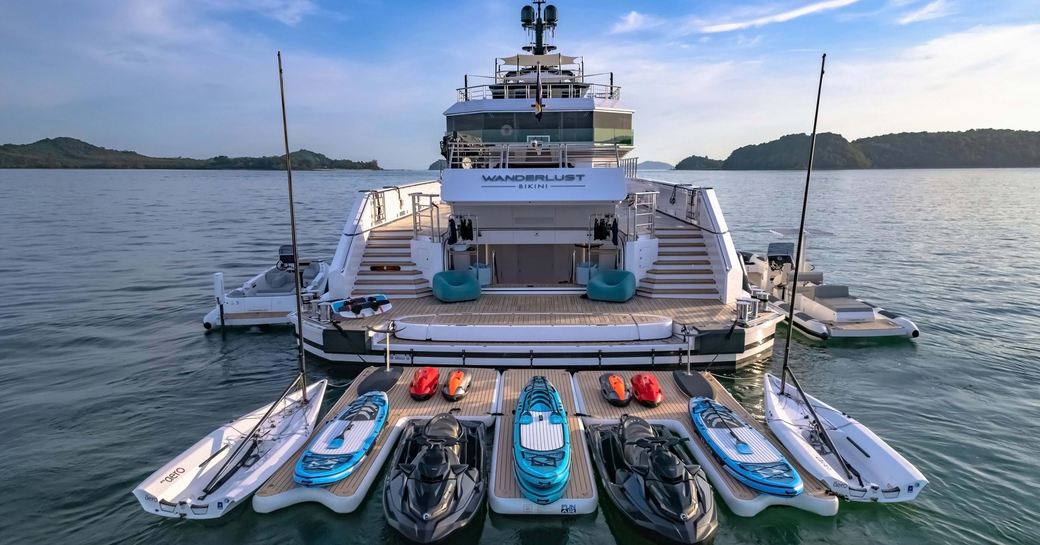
(539, 244)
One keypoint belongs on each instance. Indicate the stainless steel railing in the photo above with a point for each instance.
(546, 155)
(530, 91)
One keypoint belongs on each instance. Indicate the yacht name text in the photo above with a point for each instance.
(534, 178)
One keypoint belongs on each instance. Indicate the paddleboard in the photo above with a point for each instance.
(744, 452)
(541, 442)
(343, 442)
(361, 307)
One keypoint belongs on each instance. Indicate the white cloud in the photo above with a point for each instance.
(634, 21)
(931, 10)
(772, 18)
(977, 78)
(289, 12)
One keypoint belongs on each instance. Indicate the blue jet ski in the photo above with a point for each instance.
(744, 452)
(342, 443)
(541, 442)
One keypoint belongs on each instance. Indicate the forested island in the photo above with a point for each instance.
(977, 148)
(67, 152)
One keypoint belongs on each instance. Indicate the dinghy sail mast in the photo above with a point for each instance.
(786, 370)
(292, 226)
(252, 439)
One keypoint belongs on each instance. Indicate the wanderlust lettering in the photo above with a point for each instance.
(533, 178)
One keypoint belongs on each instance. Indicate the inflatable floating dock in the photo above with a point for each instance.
(346, 495)
(673, 413)
(504, 496)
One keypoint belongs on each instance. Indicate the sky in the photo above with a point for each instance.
(370, 79)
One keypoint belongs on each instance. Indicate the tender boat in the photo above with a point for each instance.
(862, 467)
(653, 480)
(541, 442)
(269, 297)
(438, 478)
(216, 474)
(539, 243)
(822, 311)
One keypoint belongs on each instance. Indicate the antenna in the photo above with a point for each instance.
(537, 20)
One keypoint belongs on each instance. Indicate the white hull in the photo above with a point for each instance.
(265, 299)
(884, 475)
(176, 489)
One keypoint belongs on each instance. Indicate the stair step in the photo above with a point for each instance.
(412, 272)
(397, 292)
(695, 244)
(392, 243)
(680, 271)
(372, 262)
(390, 235)
(680, 291)
(679, 263)
(392, 282)
(670, 281)
(682, 253)
(381, 255)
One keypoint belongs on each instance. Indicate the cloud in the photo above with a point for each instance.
(714, 106)
(634, 21)
(780, 17)
(931, 10)
(289, 12)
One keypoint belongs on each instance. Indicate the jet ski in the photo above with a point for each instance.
(653, 480)
(424, 383)
(614, 390)
(646, 389)
(457, 385)
(438, 478)
(541, 442)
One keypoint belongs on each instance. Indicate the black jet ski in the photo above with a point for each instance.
(438, 478)
(653, 480)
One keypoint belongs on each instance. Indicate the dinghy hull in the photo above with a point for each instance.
(176, 490)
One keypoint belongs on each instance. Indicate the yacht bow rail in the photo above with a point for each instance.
(537, 154)
(530, 91)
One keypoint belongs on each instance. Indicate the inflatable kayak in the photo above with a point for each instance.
(217, 473)
(653, 480)
(361, 307)
(744, 452)
(438, 478)
(342, 443)
(541, 442)
(862, 467)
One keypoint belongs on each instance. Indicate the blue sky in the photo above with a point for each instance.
(370, 79)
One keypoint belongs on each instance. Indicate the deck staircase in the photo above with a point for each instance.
(683, 269)
(390, 247)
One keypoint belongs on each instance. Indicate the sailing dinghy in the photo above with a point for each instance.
(875, 471)
(228, 465)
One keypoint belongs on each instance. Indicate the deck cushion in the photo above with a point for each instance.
(613, 285)
(455, 286)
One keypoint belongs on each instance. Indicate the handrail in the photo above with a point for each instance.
(468, 155)
(528, 91)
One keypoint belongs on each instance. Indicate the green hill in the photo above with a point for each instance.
(67, 152)
(966, 149)
(696, 162)
(655, 165)
(977, 148)
(791, 152)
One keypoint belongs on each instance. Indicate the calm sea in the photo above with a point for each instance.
(105, 372)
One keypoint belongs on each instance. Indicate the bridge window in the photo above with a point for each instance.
(598, 127)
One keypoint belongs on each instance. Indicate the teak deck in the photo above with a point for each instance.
(538, 309)
(580, 495)
(344, 496)
(675, 407)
